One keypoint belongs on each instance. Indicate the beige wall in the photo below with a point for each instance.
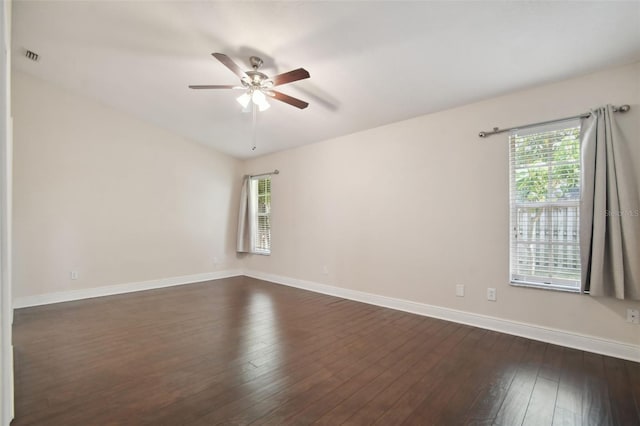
(112, 197)
(411, 209)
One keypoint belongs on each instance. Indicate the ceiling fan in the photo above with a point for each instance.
(257, 85)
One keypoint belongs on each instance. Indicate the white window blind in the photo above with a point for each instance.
(544, 199)
(262, 238)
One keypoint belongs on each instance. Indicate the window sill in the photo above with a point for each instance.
(545, 286)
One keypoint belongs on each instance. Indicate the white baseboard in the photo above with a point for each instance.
(67, 296)
(530, 331)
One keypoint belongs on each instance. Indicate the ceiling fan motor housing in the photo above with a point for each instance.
(256, 77)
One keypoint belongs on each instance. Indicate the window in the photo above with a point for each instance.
(262, 239)
(544, 198)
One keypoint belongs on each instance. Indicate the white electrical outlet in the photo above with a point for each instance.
(460, 290)
(492, 294)
(633, 316)
(74, 275)
(325, 270)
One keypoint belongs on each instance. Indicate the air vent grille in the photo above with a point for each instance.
(32, 55)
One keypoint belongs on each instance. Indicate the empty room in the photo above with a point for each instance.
(328, 213)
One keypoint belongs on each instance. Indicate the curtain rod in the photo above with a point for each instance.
(495, 131)
(275, 172)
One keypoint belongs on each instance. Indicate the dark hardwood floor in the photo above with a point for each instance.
(242, 351)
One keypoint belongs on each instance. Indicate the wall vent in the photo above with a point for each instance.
(32, 55)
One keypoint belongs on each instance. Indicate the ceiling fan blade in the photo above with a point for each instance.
(288, 99)
(214, 86)
(228, 62)
(288, 77)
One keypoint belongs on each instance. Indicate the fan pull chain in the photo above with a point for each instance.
(254, 110)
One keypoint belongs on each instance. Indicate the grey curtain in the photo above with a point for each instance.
(245, 222)
(609, 211)
(247, 214)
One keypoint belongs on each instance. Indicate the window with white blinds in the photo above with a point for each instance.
(544, 199)
(262, 237)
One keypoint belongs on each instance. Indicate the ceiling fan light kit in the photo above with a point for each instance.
(255, 96)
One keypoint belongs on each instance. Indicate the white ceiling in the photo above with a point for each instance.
(371, 63)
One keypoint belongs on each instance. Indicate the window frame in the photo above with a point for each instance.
(516, 278)
(255, 247)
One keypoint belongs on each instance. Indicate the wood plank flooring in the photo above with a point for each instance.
(243, 351)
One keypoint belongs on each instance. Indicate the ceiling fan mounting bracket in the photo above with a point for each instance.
(256, 62)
